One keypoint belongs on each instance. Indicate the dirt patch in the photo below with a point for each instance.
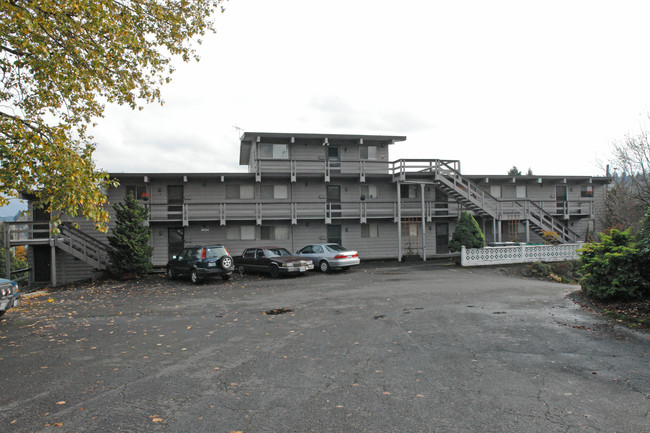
(634, 314)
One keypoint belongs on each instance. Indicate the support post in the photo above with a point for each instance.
(527, 231)
(424, 226)
(499, 231)
(53, 262)
(399, 222)
(7, 252)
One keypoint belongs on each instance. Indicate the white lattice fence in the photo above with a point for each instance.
(518, 254)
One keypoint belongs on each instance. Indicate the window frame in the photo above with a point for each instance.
(136, 190)
(277, 151)
(238, 232)
(274, 232)
(365, 153)
(365, 190)
(369, 230)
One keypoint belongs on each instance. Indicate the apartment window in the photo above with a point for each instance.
(333, 153)
(271, 192)
(136, 191)
(369, 191)
(409, 191)
(370, 230)
(521, 191)
(410, 229)
(275, 151)
(273, 233)
(243, 233)
(495, 191)
(234, 192)
(368, 152)
(587, 191)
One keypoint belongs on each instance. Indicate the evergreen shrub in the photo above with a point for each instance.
(130, 251)
(612, 268)
(467, 233)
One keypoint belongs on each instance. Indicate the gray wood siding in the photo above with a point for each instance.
(70, 269)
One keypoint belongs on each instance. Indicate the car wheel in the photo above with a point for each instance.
(274, 271)
(170, 274)
(225, 277)
(194, 276)
(225, 262)
(241, 269)
(324, 266)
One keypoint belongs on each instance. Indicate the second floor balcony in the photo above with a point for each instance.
(363, 211)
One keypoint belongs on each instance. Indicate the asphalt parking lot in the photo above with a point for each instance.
(386, 347)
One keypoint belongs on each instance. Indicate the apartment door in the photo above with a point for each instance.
(41, 227)
(175, 202)
(334, 234)
(334, 200)
(442, 238)
(42, 263)
(441, 202)
(333, 157)
(175, 241)
(560, 199)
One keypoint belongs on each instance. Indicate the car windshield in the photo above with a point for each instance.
(335, 248)
(214, 252)
(276, 252)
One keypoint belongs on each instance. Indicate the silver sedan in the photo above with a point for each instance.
(330, 256)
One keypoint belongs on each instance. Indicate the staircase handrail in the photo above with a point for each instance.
(452, 178)
(68, 228)
(467, 188)
(78, 242)
(566, 233)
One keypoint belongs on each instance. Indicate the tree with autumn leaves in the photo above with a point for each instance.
(61, 62)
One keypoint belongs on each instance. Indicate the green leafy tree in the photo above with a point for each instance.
(514, 171)
(60, 62)
(612, 268)
(130, 250)
(467, 233)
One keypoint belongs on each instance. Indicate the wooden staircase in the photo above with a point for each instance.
(82, 246)
(446, 176)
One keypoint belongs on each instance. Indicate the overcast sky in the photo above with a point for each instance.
(541, 85)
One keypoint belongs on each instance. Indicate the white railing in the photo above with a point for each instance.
(518, 254)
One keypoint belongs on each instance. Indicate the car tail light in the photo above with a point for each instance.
(355, 255)
(203, 253)
(340, 256)
(226, 250)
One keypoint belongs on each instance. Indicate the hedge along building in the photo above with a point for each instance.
(306, 188)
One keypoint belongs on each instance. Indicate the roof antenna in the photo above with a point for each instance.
(240, 130)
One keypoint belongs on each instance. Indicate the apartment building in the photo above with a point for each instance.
(305, 188)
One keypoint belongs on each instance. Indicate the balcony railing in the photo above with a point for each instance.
(363, 168)
(260, 211)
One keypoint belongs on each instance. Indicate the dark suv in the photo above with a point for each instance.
(201, 262)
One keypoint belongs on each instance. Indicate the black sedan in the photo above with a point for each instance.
(274, 261)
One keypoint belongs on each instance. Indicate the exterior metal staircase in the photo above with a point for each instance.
(82, 246)
(447, 177)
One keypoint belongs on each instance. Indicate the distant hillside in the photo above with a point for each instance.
(12, 210)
